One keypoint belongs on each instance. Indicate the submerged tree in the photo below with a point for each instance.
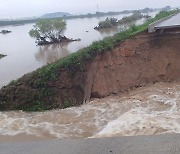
(48, 31)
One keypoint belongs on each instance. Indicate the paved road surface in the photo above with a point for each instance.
(165, 144)
(173, 21)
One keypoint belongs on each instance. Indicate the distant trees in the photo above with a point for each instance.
(134, 17)
(146, 10)
(107, 23)
(111, 22)
(48, 31)
(167, 8)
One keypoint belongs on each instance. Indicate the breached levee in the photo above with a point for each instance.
(128, 60)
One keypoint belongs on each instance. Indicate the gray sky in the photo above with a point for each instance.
(24, 8)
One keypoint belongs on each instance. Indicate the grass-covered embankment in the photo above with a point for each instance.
(38, 91)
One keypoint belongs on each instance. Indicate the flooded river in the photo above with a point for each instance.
(24, 56)
(144, 111)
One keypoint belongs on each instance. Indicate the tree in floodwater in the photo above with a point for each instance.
(107, 23)
(47, 31)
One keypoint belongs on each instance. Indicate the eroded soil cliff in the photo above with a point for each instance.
(142, 60)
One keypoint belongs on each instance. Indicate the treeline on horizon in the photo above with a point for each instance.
(89, 15)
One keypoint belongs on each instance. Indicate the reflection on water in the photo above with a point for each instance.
(109, 31)
(50, 53)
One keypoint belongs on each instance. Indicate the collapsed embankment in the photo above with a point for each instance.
(136, 62)
(140, 60)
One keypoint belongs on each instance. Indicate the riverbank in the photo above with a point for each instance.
(161, 144)
(87, 74)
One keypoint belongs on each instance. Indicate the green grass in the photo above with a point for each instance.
(75, 62)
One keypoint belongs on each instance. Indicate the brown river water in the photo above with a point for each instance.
(144, 111)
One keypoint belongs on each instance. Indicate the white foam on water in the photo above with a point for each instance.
(141, 122)
(145, 111)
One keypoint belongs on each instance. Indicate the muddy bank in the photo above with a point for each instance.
(141, 60)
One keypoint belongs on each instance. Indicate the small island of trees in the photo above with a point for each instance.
(108, 23)
(111, 22)
(134, 17)
(5, 31)
(49, 31)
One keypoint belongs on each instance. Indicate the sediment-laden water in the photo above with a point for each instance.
(144, 111)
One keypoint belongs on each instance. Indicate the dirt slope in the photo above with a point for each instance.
(139, 61)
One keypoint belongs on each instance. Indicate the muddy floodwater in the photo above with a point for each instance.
(144, 111)
(23, 56)
(150, 110)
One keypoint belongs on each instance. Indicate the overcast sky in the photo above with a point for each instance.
(24, 8)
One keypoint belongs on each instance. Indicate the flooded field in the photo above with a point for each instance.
(23, 56)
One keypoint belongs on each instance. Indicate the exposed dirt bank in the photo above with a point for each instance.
(139, 61)
(136, 62)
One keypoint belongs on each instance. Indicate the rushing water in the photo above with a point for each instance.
(152, 110)
(145, 111)
(24, 56)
